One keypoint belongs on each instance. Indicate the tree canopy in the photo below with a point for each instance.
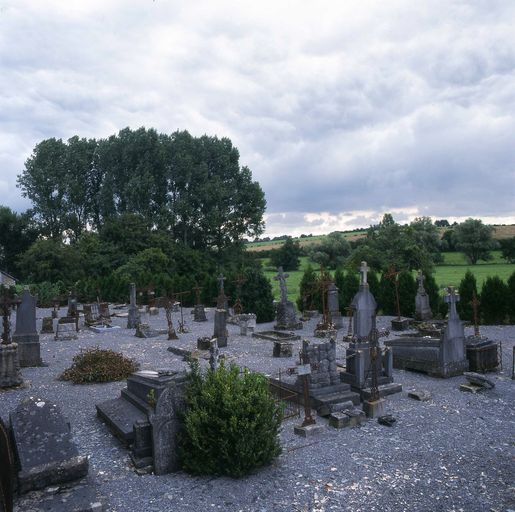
(192, 188)
(474, 239)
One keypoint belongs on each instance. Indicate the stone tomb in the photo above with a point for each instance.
(358, 371)
(46, 452)
(439, 357)
(26, 335)
(482, 354)
(133, 416)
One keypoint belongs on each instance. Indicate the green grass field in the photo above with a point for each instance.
(450, 273)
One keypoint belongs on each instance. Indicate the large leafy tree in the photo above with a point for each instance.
(192, 188)
(508, 249)
(287, 256)
(332, 251)
(474, 239)
(16, 236)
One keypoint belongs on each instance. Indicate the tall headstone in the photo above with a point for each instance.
(213, 354)
(26, 335)
(333, 306)
(220, 331)
(359, 369)
(134, 317)
(165, 427)
(422, 307)
(46, 452)
(199, 313)
(286, 319)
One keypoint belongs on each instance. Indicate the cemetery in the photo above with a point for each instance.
(396, 420)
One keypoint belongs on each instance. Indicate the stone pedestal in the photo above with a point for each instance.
(29, 350)
(203, 343)
(220, 330)
(374, 408)
(287, 317)
(400, 324)
(482, 354)
(199, 313)
(422, 309)
(26, 335)
(283, 349)
(47, 326)
(10, 374)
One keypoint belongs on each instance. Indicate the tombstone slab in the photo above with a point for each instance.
(199, 313)
(26, 335)
(47, 326)
(422, 307)
(220, 328)
(421, 396)
(134, 317)
(10, 374)
(46, 452)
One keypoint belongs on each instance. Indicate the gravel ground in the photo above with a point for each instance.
(452, 453)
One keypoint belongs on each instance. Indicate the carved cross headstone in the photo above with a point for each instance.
(197, 289)
(393, 275)
(421, 278)
(168, 307)
(452, 299)
(281, 277)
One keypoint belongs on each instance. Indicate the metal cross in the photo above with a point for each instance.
(393, 275)
(475, 304)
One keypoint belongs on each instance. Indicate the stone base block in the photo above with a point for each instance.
(10, 374)
(357, 416)
(283, 349)
(308, 430)
(402, 324)
(203, 343)
(421, 396)
(47, 326)
(374, 408)
(339, 420)
(288, 327)
(325, 333)
(29, 350)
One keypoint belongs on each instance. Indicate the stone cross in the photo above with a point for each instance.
(281, 277)
(238, 307)
(213, 354)
(6, 304)
(394, 275)
(452, 299)
(421, 278)
(364, 270)
(197, 291)
(221, 280)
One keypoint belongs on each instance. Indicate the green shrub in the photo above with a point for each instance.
(348, 286)
(511, 298)
(467, 289)
(99, 365)
(230, 424)
(494, 300)
(309, 290)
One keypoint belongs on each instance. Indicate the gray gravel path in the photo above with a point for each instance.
(452, 453)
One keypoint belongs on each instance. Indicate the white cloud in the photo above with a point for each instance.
(357, 107)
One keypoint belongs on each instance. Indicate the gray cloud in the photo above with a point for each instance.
(336, 107)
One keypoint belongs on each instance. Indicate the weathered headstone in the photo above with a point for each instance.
(422, 307)
(213, 354)
(286, 319)
(358, 372)
(333, 305)
(7, 470)
(283, 349)
(104, 312)
(26, 335)
(134, 316)
(220, 329)
(9, 366)
(66, 329)
(46, 452)
(47, 325)
(165, 426)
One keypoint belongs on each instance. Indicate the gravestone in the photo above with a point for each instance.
(26, 335)
(422, 309)
(129, 417)
(213, 354)
(145, 331)
(47, 325)
(91, 314)
(203, 343)
(72, 305)
(283, 349)
(439, 357)
(46, 452)
(134, 316)
(359, 370)
(220, 330)
(7, 470)
(333, 305)
(66, 329)
(165, 427)
(9, 366)
(247, 323)
(199, 313)
(286, 316)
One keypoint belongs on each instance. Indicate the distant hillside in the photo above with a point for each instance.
(500, 233)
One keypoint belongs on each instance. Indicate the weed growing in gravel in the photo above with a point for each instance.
(99, 365)
(231, 422)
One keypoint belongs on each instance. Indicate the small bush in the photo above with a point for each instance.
(494, 300)
(99, 365)
(231, 423)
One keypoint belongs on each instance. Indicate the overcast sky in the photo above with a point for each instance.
(343, 110)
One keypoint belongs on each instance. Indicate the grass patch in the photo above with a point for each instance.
(99, 365)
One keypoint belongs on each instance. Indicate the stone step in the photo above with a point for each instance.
(120, 415)
(384, 390)
(142, 405)
(335, 398)
(329, 390)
